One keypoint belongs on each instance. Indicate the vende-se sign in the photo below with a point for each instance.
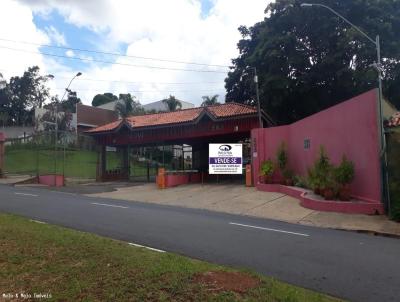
(225, 159)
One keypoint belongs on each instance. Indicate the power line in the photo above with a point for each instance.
(128, 82)
(112, 53)
(138, 91)
(133, 82)
(111, 63)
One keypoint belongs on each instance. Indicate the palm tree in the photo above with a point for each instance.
(172, 103)
(208, 101)
(124, 107)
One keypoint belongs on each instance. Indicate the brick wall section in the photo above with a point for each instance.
(94, 116)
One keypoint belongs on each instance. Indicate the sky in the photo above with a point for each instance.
(142, 47)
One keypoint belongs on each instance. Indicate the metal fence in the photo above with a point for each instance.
(75, 156)
(71, 154)
(393, 142)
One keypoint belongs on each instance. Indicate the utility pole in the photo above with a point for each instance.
(56, 126)
(260, 123)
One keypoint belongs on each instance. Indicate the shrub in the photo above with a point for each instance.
(282, 157)
(300, 181)
(320, 175)
(267, 168)
(344, 173)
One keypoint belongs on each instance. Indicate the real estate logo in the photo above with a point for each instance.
(225, 159)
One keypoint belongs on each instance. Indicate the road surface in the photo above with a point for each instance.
(348, 265)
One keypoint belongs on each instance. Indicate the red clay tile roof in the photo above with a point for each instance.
(173, 117)
(394, 121)
(231, 109)
(180, 116)
(106, 127)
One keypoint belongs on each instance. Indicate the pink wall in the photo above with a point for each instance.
(349, 128)
(173, 180)
(52, 180)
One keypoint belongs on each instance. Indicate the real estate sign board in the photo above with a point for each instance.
(225, 159)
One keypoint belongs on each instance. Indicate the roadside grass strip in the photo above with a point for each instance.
(66, 265)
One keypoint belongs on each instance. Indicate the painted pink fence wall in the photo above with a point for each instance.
(349, 128)
(52, 180)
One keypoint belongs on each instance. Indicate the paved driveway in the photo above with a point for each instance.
(238, 199)
(354, 266)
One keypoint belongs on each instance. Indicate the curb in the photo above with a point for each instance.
(371, 233)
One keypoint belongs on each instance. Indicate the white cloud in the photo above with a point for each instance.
(16, 23)
(70, 53)
(173, 29)
(55, 36)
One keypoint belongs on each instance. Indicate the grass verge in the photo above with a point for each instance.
(77, 163)
(76, 266)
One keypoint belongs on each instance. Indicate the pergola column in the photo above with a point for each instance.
(125, 160)
(101, 163)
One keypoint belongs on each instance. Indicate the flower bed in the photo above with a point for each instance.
(311, 201)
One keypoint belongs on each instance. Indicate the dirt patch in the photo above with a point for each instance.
(227, 281)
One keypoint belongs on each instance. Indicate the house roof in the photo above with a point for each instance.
(394, 121)
(221, 111)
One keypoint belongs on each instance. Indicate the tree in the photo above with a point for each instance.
(172, 103)
(127, 106)
(64, 117)
(4, 118)
(307, 59)
(208, 101)
(104, 98)
(3, 82)
(4, 102)
(69, 105)
(21, 95)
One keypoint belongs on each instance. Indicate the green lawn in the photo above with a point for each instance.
(77, 266)
(79, 163)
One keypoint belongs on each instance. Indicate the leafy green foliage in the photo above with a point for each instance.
(127, 106)
(282, 157)
(267, 168)
(300, 181)
(308, 59)
(172, 103)
(210, 100)
(320, 176)
(344, 173)
(69, 104)
(101, 99)
(21, 95)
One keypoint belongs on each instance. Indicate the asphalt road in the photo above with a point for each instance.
(348, 265)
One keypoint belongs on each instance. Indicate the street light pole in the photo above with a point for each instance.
(376, 42)
(56, 126)
(260, 123)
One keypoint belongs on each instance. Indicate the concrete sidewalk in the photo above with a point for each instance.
(238, 199)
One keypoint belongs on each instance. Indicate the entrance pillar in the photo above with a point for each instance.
(125, 161)
(2, 153)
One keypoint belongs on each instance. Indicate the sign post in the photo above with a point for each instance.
(225, 159)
